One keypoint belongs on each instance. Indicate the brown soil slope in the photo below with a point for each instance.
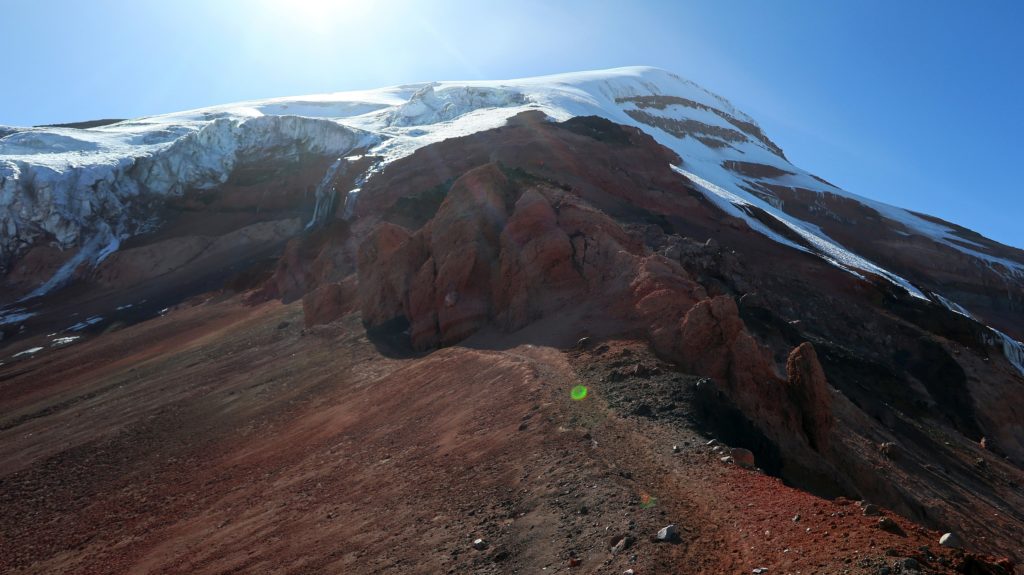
(225, 439)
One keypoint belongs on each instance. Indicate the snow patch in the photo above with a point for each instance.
(93, 320)
(64, 341)
(14, 315)
(1013, 350)
(952, 306)
(823, 246)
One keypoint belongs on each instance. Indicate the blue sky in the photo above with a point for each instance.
(918, 104)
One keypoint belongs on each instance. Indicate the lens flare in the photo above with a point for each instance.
(647, 501)
(578, 393)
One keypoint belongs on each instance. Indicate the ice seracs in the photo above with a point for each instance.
(103, 190)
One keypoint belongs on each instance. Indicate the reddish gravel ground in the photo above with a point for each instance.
(223, 438)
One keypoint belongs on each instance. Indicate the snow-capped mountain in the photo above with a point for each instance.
(626, 222)
(91, 189)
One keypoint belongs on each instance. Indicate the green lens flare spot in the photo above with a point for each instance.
(578, 393)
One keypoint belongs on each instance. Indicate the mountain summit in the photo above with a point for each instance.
(483, 245)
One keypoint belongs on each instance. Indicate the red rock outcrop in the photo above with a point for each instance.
(387, 262)
(464, 244)
(663, 293)
(312, 259)
(329, 302)
(499, 251)
(536, 266)
(809, 392)
(795, 414)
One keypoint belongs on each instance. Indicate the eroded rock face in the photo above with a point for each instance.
(495, 251)
(809, 392)
(329, 302)
(440, 277)
(663, 293)
(464, 240)
(536, 262)
(387, 261)
(715, 342)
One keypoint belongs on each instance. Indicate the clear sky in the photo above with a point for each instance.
(915, 103)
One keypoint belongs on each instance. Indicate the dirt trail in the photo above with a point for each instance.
(226, 439)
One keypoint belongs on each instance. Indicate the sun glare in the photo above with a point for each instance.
(318, 16)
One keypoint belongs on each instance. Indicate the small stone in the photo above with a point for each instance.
(759, 570)
(884, 570)
(676, 449)
(886, 524)
(871, 510)
(479, 544)
(742, 457)
(584, 342)
(621, 545)
(728, 460)
(951, 540)
(674, 251)
(500, 556)
(910, 564)
(796, 518)
(451, 298)
(667, 534)
(628, 572)
(889, 449)
(574, 562)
